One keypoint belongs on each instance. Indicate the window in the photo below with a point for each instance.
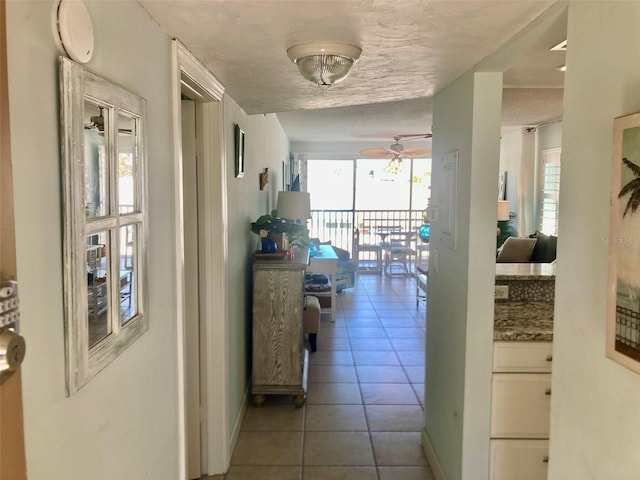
(382, 184)
(420, 183)
(549, 187)
(330, 183)
(105, 225)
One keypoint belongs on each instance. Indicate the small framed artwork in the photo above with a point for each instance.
(239, 151)
(623, 306)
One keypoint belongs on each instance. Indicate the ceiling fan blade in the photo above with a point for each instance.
(379, 152)
(413, 136)
(416, 152)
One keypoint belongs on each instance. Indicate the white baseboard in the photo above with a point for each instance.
(237, 424)
(432, 457)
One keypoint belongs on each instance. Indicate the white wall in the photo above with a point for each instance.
(460, 304)
(123, 423)
(594, 406)
(266, 146)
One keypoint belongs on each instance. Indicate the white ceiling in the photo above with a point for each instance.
(410, 50)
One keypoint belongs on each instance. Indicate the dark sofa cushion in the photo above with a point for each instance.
(545, 248)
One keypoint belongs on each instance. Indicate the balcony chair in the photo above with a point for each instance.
(398, 253)
(364, 265)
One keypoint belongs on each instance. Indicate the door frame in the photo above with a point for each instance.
(214, 359)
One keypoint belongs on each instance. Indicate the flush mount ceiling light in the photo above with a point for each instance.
(324, 63)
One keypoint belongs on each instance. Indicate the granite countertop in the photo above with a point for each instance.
(525, 271)
(523, 321)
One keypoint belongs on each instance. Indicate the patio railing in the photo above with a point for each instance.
(338, 226)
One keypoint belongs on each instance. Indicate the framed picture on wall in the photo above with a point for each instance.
(623, 306)
(239, 150)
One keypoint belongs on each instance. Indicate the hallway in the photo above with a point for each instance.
(363, 415)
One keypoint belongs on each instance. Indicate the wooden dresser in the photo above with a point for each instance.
(279, 357)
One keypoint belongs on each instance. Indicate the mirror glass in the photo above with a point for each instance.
(96, 178)
(128, 273)
(98, 294)
(127, 161)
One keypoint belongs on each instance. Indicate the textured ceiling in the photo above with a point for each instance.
(410, 50)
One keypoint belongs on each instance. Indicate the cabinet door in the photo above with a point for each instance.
(519, 459)
(521, 405)
(521, 357)
(277, 327)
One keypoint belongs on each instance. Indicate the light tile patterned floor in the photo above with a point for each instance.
(363, 415)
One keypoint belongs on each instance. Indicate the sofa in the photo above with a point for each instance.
(536, 248)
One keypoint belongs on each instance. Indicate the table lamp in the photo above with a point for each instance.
(503, 210)
(294, 205)
(503, 221)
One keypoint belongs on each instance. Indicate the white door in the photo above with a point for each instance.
(191, 296)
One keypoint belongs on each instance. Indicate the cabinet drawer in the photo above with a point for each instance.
(520, 405)
(522, 357)
(519, 459)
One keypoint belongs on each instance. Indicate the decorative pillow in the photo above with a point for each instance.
(540, 250)
(545, 249)
(516, 250)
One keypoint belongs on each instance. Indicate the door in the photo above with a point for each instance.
(191, 294)
(12, 456)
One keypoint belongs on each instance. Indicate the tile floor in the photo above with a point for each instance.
(363, 415)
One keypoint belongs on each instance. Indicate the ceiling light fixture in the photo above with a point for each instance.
(562, 68)
(324, 63)
(560, 47)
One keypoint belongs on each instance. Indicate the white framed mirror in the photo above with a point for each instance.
(105, 220)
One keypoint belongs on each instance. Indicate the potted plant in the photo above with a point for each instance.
(270, 228)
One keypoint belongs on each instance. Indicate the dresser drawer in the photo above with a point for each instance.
(520, 405)
(522, 357)
(519, 459)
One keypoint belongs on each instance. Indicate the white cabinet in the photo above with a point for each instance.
(519, 459)
(520, 407)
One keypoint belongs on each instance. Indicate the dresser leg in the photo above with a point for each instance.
(298, 400)
(258, 400)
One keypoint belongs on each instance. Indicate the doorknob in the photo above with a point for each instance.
(12, 350)
(12, 345)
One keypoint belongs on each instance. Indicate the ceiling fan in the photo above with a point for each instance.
(397, 151)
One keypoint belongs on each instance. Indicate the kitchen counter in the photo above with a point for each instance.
(527, 313)
(526, 271)
(523, 321)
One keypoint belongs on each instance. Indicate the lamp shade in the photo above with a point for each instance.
(294, 205)
(503, 210)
